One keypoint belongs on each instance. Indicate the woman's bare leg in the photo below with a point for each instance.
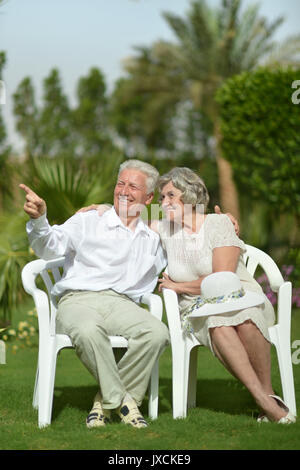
(259, 353)
(232, 353)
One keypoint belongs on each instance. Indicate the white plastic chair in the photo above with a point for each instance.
(51, 343)
(185, 347)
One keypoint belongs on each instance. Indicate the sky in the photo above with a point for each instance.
(75, 35)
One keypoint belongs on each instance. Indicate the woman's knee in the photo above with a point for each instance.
(219, 332)
(246, 327)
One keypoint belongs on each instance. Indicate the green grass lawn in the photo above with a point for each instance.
(224, 419)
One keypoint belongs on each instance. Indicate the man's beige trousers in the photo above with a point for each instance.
(89, 318)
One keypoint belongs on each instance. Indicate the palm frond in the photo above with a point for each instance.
(67, 185)
(196, 36)
(286, 53)
(14, 254)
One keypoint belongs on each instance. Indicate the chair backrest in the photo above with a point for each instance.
(50, 272)
(254, 257)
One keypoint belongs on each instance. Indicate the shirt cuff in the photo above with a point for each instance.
(38, 223)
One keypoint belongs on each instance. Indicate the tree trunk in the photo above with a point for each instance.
(229, 201)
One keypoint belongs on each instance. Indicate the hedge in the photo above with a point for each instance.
(260, 125)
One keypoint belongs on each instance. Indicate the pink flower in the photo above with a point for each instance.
(264, 282)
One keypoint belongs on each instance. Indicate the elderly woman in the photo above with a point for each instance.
(198, 244)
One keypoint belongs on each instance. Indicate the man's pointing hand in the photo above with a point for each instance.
(34, 205)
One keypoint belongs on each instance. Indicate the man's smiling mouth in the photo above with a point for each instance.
(124, 199)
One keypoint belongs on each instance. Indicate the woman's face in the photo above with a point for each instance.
(171, 203)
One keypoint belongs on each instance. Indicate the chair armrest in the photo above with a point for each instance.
(154, 302)
(284, 307)
(41, 300)
(173, 316)
(269, 266)
(29, 274)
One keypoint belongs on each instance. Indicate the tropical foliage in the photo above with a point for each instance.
(162, 110)
(14, 254)
(260, 141)
(171, 83)
(69, 184)
(54, 129)
(263, 147)
(6, 170)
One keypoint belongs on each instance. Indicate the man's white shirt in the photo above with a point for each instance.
(101, 253)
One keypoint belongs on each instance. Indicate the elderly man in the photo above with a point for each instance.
(111, 261)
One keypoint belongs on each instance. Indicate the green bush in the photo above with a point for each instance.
(14, 254)
(260, 126)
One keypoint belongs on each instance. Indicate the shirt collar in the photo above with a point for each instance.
(114, 221)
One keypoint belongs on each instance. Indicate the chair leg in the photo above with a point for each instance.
(286, 372)
(35, 400)
(178, 385)
(153, 392)
(46, 388)
(192, 380)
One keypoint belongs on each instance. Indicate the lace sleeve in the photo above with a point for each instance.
(222, 233)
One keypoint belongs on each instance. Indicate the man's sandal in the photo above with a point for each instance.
(98, 416)
(130, 414)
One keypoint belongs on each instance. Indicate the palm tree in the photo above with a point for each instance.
(212, 45)
(14, 254)
(6, 166)
(67, 184)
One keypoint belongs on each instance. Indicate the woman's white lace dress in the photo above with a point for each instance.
(190, 256)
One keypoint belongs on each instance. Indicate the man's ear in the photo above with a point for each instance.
(149, 199)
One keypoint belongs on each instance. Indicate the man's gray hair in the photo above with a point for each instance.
(149, 170)
(189, 183)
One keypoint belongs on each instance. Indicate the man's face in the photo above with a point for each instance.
(130, 194)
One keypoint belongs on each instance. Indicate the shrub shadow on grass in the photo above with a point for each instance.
(225, 395)
(80, 398)
(219, 395)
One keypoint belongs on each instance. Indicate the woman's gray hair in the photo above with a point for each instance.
(149, 170)
(189, 183)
